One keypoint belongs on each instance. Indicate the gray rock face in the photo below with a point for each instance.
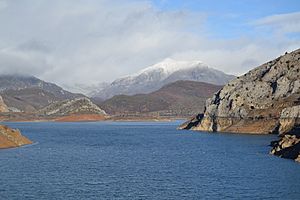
(156, 76)
(291, 112)
(75, 106)
(262, 93)
(264, 100)
(287, 147)
(289, 120)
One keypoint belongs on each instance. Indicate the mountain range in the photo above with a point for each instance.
(29, 94)
(154, 77)
(164, 89)
(181, 98)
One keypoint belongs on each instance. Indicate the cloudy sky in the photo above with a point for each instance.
(89, 41)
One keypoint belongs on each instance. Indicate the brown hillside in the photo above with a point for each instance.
(181, 98)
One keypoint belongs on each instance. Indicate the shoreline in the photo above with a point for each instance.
(24, 117)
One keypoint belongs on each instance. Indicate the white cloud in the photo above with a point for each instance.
(3, 4)
(283, 23)
(18, 62)
(89, 41)
(237, 60)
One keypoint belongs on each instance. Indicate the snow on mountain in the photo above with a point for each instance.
(154, 77)
(169, 66)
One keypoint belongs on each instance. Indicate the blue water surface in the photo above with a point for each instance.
(143, 160)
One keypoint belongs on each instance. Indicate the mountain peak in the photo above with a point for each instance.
(154, 77)
(170, 65)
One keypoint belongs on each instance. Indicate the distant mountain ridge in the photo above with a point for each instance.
(19, 82)
(28, 93)
(174, 99)
(27, 98)
(160, 74)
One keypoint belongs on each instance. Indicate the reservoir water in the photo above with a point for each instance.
(143, 160)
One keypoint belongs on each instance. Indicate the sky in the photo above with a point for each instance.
(86, 42)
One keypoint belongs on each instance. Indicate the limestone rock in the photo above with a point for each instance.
(264, 100)
(252, 103)
(288, 146)
(289, 120)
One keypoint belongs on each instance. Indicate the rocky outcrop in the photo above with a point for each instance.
(10, 138)
(288, 146)
(253, 102)
(3, 106)
(290, 121)
(71, 107)
(265, 100)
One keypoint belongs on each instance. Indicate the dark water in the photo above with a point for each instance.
(142, 161)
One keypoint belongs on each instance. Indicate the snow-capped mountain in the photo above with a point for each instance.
(154, 77)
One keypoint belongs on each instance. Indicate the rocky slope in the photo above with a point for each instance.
(10, 138)
(3, 106)
(174, 99)
(255, 102)
(158, 75)
(288, 146)
(71, 107)
(29, 94)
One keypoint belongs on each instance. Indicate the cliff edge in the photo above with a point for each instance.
(265, 100)
(288, 146)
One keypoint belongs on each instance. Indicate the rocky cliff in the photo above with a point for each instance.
(10, 138)
(262, 101)
(288, 146)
